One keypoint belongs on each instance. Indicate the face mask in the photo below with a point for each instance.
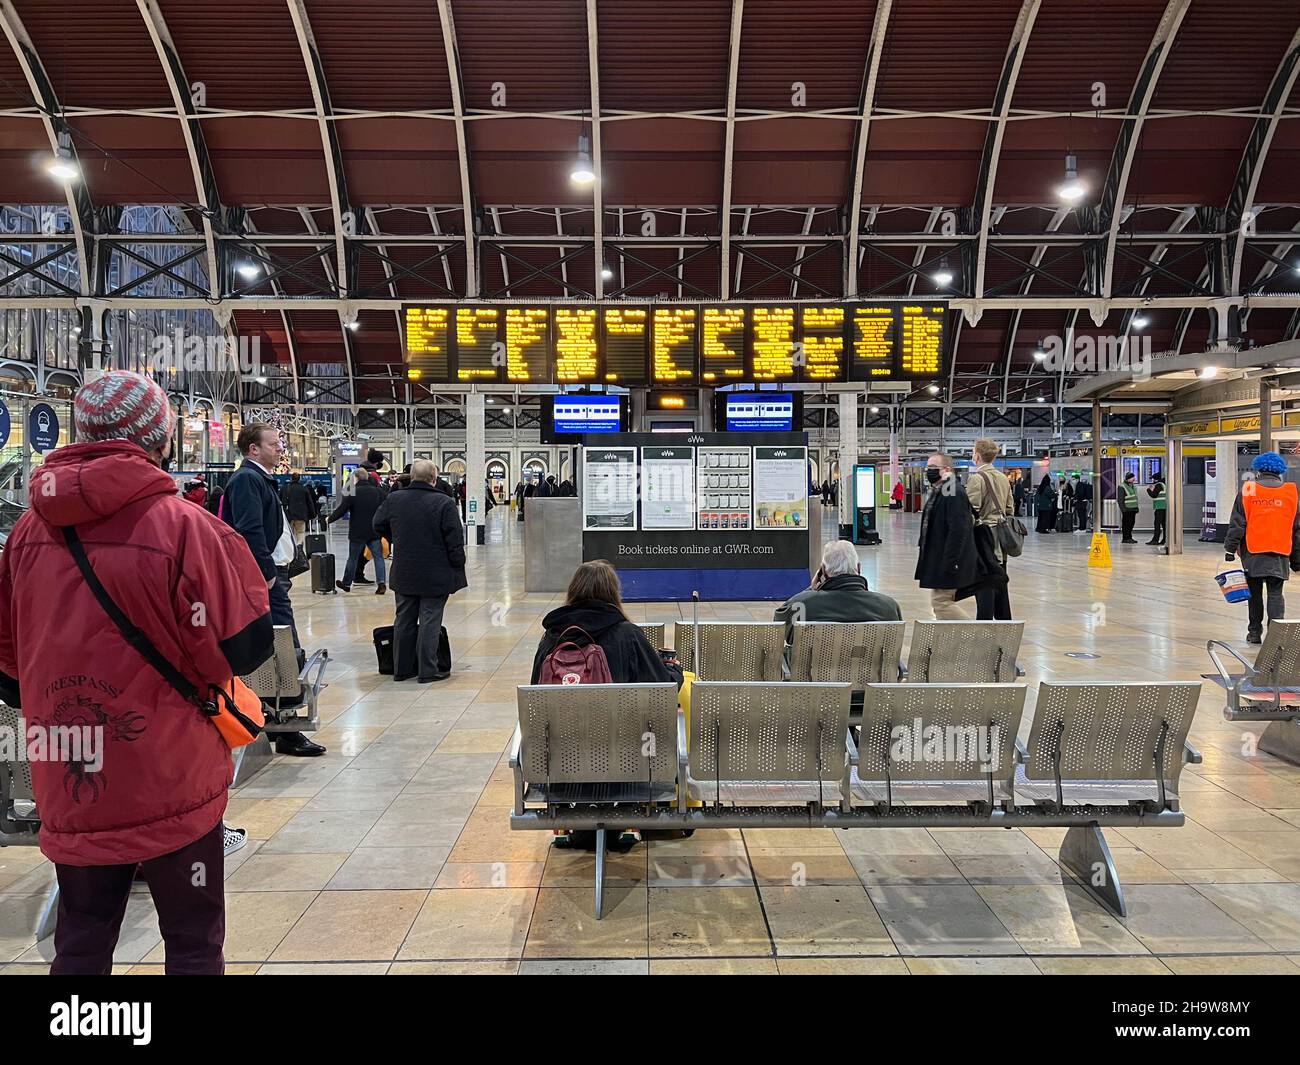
(933, 474)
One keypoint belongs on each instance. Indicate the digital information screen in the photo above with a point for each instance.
(722, 345)
(759, 412)
(626, 335)
(773, 344)
(678, 345)
(575, 345)
(428, 342)
(528, 334)
(672, 345)
(822, 330)
(587, 414)
(477, 355)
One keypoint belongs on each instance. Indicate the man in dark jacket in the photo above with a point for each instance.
(839, 593)
(429, 545)
(252, 505)
(946, 560)
(299, 505)
(359, 506)
(151, 793)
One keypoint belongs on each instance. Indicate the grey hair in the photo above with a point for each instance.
(423, 470)
(839, 557)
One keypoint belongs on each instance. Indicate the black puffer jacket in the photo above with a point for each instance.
(632, 660)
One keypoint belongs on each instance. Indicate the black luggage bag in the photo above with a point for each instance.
(1065, 520)
(383, 637)
(314, 544)
(322, 573)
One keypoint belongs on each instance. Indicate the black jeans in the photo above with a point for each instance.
(416, 630)
(1276, 602)
(1081, 513)
(1159, 533)
(1128, 519)
(188, 892)
(993, 604)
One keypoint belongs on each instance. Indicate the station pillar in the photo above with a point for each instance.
(848, 459)
(1265, 416)
(475, 468)
(1174, 496)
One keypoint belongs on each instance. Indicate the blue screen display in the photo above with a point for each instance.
(587, 414)
(760, 412)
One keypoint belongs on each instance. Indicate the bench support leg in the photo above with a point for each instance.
(251, 759)
(600, 872)
(1282, 740)
(49, 913)
(1085, 854)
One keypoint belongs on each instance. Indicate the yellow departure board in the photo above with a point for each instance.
(773, 343)
(575, 345)
(822, 330)
(920, 340)
(626, 337)
(871, 342)
(528, 336)
(672, 341)
(722, 345)
(477, 356)
(428, 335)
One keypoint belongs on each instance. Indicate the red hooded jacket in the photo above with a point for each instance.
(183, 577)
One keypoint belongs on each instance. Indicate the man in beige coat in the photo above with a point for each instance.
(991, 500)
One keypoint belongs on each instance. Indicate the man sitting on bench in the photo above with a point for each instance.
(839, 592)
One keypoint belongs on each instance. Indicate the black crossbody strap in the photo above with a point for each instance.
(126, 627)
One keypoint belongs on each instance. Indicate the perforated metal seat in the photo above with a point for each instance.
(18, 816)
(286, 690)
(1096, 744)
(853, 653)
(1267, 689)
(732, 650)
(964, 652)
(654, 632)
(768, 744)
(947, 743)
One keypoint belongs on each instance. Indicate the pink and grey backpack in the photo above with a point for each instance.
(573, 663)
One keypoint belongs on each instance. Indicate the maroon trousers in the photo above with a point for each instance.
(188, 893)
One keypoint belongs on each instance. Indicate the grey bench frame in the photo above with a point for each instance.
(1083, 848)
(763, 642)
(1275, 669)
(285, 689)
(952, 652)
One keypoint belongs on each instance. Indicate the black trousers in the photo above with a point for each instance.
(1158, 536)
(1081, 513)
(415, 635)
(188, 893)
(993, 604)
(1276, 602)
(1128, 519)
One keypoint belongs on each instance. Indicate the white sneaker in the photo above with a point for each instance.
(234, 839)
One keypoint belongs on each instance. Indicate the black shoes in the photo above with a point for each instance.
(436, 676)
(342, 587)
(381, 588)
(295, 743)
(1253, 637)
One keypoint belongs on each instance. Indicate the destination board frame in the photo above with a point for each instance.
(911, 341)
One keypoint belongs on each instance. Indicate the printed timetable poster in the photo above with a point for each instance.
(781, 488)
(609, 478)
(668, 488)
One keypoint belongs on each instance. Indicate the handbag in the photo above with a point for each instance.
(236, 714)
(300, 564)
(1010, 531)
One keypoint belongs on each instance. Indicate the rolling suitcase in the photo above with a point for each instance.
(383, 637)
(322, 573)
(314, 544)
(1065, 521)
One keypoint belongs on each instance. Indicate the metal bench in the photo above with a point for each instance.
(1267, 690)
(594, 745)
(289, 692)
(767, 744)
(1111, 751)
(853, 653)
(949, 743)
(964, 652)
(19, 821)
(654, 632)
(731, 650)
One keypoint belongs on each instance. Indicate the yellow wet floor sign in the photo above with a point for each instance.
(1099, 552)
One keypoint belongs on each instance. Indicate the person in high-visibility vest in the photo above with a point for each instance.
(1159, 509)
(1265, 528)
(1127, 497)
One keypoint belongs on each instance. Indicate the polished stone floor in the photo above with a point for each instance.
(392, 854)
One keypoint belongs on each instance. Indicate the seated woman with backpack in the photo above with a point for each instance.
(589, 640)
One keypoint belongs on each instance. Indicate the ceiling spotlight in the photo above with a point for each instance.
(354, 325)
(260, 380)
(505, 410)
(76, 330)
(248, 271)
(943, 276)
(489, 399)
(1039, 399)
(1208, 373)
(1140, 321)
(608, 274)
(582, 174)
(380, 410)
(1072, 189)
(311, 392)
(875, 410)
(932, 389)
(63, 164)
(1039, 353)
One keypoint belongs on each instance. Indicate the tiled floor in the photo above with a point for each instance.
(393, 852)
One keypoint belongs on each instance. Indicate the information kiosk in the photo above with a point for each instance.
(864, 504)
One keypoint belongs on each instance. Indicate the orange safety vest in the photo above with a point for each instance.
(1270, 517)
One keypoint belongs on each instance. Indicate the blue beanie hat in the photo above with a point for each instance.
(1269, 462)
